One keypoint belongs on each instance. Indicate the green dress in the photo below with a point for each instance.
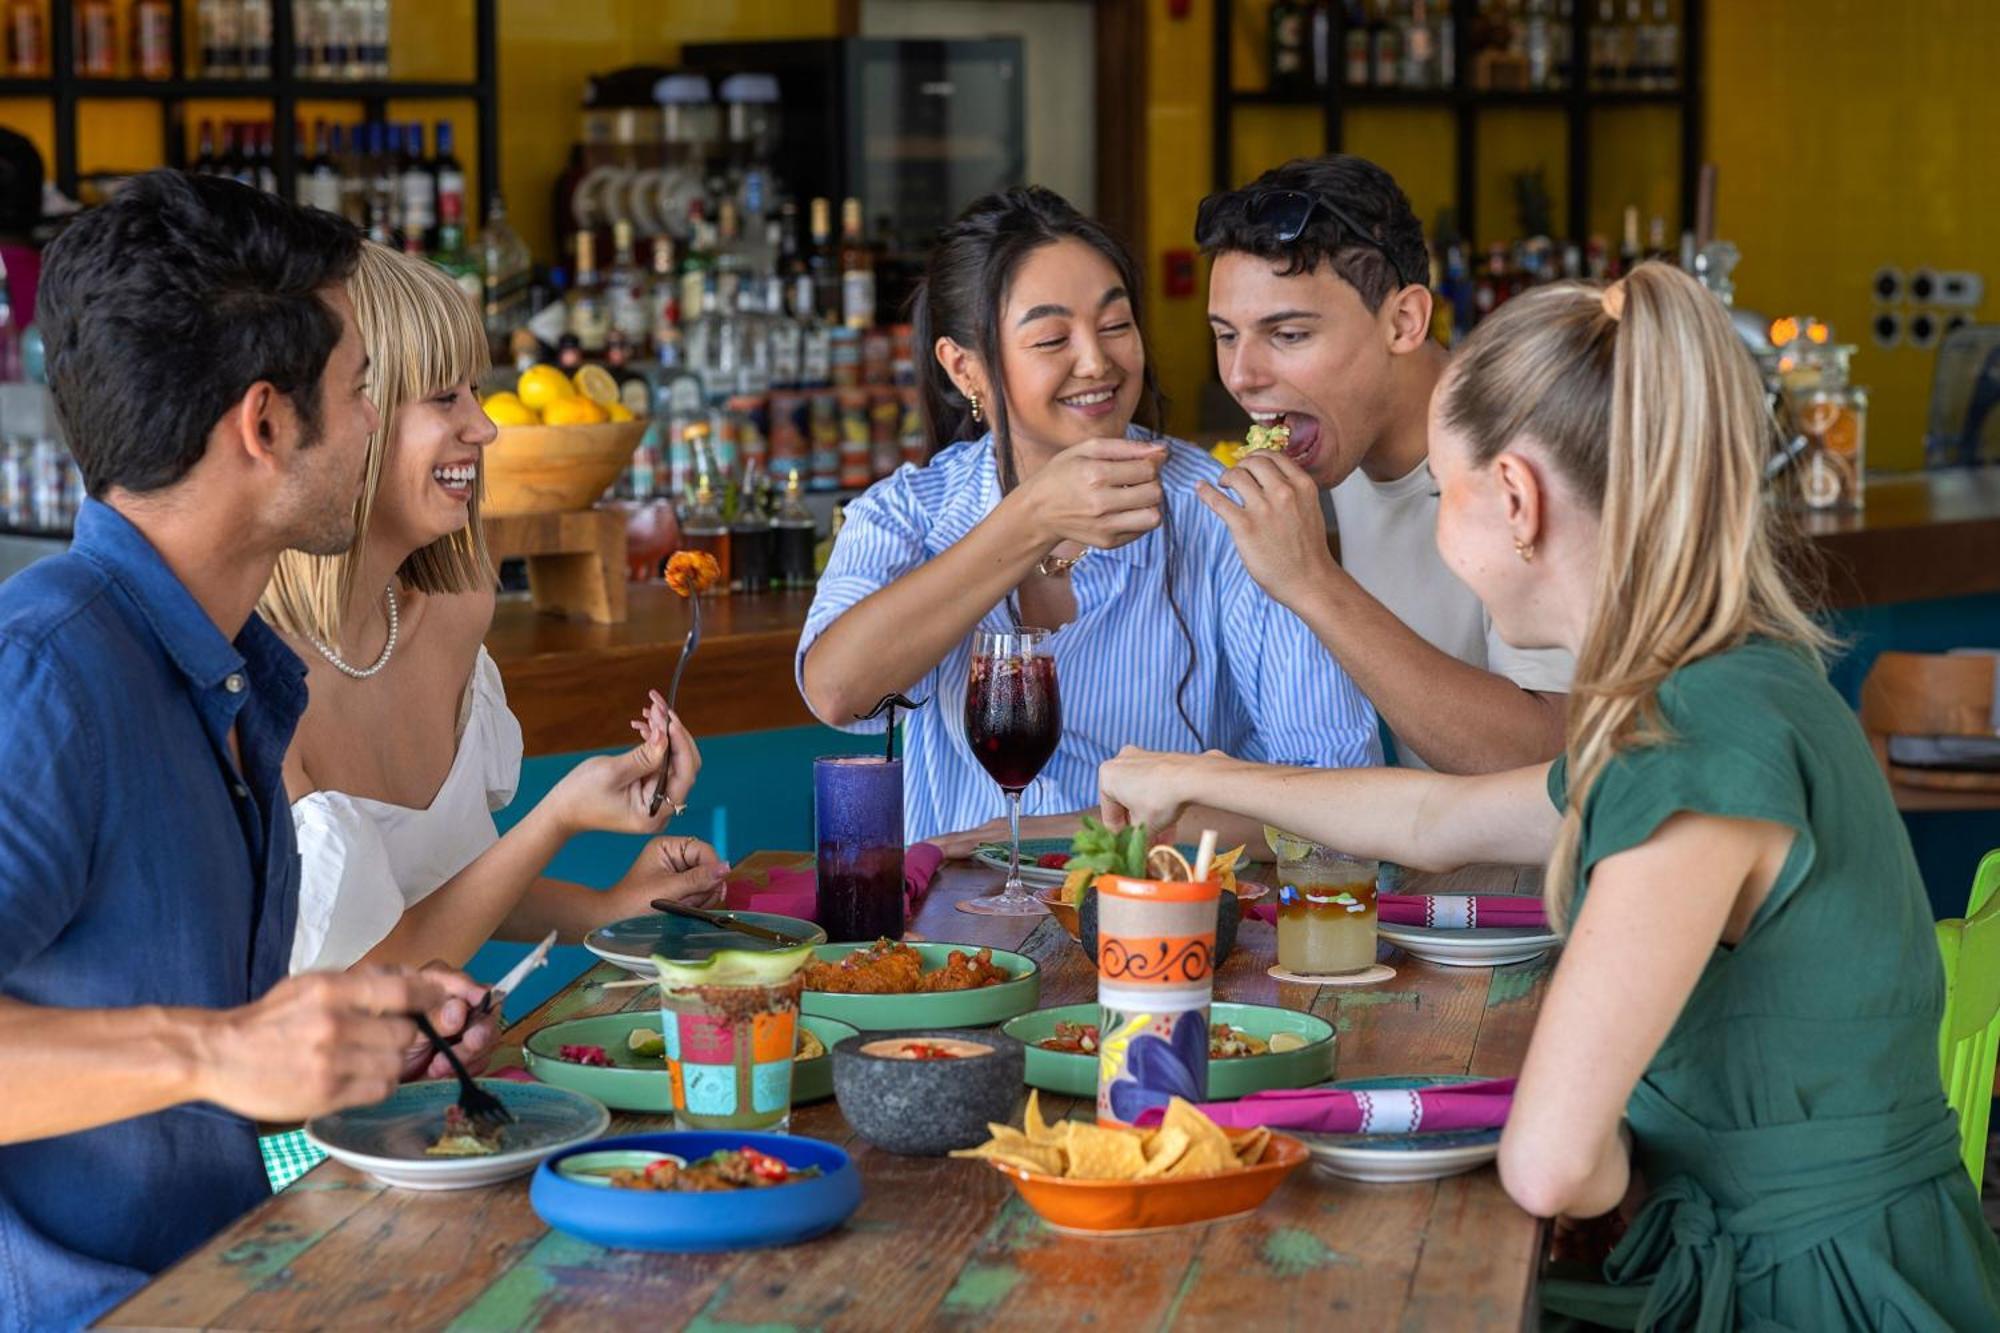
(1801, 1162)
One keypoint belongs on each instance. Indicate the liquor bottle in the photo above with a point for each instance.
(785, 335)
(27, 40)
(507, 269)
(1637, 46)
(1354, 45)
(1656, 238)
(350, 160)
(1628, 247)
(319, 177)
(697, 263)
(266, 163)
(1447, 43)
(95, 30)
(794, 532)
(449, 173)
(625, 289)
(1564, 39)
(419, 189)
(1539, 45)
(752, 538)
(664, 301)
(702, 528)
(857, 270)
(1387, 58)
(330, 27)
(375, 39)
(589, 316)
(1291, 70)
(1420, 54)
(256, 38)
(815, 340)
(354, 34)
(1606, 69)
(153, 40)
(234, 161)
(730, 261)
(451, 255)
(305, 39)
(204, 163)
(1666, 57)
(384, 198)
(823, 261)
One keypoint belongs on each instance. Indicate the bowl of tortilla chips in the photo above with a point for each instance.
(1096, 1180)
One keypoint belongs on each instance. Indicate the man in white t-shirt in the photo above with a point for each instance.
(1319, 303)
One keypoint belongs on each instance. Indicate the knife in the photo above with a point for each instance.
(537, 957)
(726, 920)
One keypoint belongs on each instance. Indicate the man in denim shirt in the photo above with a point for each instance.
(204, 360)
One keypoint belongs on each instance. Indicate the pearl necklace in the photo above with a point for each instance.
(363, 673)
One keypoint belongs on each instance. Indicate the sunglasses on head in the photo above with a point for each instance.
(1287, 212)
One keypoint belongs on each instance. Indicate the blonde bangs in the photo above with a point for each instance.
(422, 334)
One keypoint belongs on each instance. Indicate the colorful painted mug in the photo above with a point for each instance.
(1155, 979)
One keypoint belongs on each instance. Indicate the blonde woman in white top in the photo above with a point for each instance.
(407, 746)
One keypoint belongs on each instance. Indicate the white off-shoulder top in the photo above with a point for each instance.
(365, 862)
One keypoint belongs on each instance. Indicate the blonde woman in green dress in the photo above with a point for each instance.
(1738, 1050)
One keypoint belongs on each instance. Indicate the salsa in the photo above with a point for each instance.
(725, 1169)
(1224, 1042)
(925, 1048)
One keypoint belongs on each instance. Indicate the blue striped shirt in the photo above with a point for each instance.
(1262, 687)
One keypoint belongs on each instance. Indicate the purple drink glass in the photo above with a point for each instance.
(1013, 721)
(858, 808)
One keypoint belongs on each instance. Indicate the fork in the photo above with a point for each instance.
(692, 642)
(485, 1111)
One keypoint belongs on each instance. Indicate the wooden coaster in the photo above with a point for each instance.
(1366, 977)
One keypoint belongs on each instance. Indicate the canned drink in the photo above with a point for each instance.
(1155, 982)
(844, 357)
(875, 344)
(902, 356)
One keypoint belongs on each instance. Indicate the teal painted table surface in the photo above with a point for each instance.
(937, 1243)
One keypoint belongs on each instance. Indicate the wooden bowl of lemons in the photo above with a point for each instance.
(560, 445)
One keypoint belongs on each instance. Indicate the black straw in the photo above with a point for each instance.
(889, 703)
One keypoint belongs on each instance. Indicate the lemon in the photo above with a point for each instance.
(574, 411)
(542, 385)
(596, 384)
(506, 410)
(620, 412)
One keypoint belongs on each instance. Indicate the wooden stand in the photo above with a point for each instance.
(576, 560)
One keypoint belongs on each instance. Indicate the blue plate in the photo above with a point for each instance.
(700, 1223)
(631, 943)
(1401, 1158)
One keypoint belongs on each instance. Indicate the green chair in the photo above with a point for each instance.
(1969, 1040)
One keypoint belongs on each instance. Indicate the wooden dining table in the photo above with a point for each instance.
(937, 1242)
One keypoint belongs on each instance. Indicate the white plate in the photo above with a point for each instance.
(1399, 1159)
(387, 1140)
(1485, 946)
(1040, 877)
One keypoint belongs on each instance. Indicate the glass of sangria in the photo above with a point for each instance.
(1326, 908)
(1013, 719)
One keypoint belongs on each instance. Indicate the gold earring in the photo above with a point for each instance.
(976, 414)
(1526, 550)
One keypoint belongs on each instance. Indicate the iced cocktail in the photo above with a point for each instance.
(1326, 910)
(731, 1025)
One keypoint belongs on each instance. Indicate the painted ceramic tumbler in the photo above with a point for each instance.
(1155, 979)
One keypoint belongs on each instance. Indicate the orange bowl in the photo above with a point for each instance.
(1066, 913)
(551, 469)
(1135, 1207)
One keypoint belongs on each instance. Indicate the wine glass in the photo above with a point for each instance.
(1013, 719)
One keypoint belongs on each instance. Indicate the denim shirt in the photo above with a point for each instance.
(138, 866)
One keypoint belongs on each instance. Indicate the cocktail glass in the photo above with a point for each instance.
(729, 1052)
(1013, 720)
(858, 807)
(1326, 909)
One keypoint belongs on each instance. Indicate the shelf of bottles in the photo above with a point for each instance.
(1519, 52)
(127, 48)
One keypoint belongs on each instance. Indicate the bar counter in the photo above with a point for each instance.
(575, 685)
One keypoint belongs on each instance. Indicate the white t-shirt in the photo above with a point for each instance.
(363, 862)
(1388, 542)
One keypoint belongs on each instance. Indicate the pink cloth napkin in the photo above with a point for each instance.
(1444, 911)
(787, 891)
(1384, 1111)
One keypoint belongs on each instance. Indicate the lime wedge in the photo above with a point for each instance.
(646, 1041)
(1287, 846)
(1286, 1041)
(735, 967)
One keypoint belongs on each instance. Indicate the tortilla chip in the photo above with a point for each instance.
(1041, 1158)
(1036, 1129)
(1097, 1153)
(1208, 1150)
(1167, 1147)
(1250, 1144)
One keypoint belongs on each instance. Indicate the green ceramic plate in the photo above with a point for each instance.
(1060, 1071)
(941, 1009)
(634, 1083)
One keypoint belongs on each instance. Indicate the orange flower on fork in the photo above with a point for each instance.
(692, 572)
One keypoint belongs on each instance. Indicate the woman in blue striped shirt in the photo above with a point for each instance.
(1043, 505)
